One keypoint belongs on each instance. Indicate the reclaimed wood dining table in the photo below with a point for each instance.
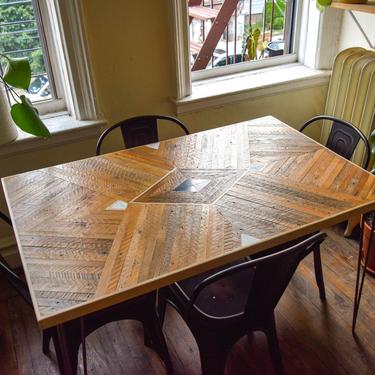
(96, 232)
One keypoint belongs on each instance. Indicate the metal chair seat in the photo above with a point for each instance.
(343, 137)
(139, 131)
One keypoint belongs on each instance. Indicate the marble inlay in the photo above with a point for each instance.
(247, 240)
(155, 145)
(192, 185)
(117, 206)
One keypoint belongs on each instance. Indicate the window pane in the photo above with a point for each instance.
(20, 37)
(254, 30)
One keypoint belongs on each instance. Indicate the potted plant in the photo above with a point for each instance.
(17, 75)
(368, 223)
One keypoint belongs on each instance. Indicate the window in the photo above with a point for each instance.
(224, 33)
(51, 35)
(282, 30)
(22, 34)
(304, 42)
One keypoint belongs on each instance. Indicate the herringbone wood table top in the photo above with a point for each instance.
(98, 231)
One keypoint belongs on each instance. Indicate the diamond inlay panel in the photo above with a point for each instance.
(191, 186)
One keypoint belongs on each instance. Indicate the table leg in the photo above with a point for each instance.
(352, 223)
(83, 341)
(69, 336)
(361, 277)
(66, 367)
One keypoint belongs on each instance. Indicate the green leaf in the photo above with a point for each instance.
(18, 73)
(324, 3)
(27, 118)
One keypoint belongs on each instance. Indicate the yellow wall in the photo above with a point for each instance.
(350, 34)
(130, 49)
(132, 58)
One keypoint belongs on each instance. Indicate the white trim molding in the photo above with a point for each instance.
(83, 104)
(243, 67)
(250, 85)
(181, 47)
(328, 38)
(322, 31)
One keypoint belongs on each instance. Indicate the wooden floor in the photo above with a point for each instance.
(315, 337)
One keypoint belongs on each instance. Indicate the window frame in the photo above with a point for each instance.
(62, 34)
(56, 102)
(185, 77)
(76, 71)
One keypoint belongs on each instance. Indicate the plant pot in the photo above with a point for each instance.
(8, 131)
(366, 239)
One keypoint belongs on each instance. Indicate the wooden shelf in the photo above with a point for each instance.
(368, 7)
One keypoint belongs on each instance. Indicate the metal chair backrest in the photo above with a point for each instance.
(9, 274)
(271, 276)
(343, 137)
(140, 130)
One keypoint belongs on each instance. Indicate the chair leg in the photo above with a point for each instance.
(213, 355)
(59, 355)
(319, 273)
(273, 347)
(67, 341)
(161, 307)
(47, 335)
(147, 339)
(155, 339)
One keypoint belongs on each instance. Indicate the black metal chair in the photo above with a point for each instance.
(140, 130)
(142, 308)
(343, 137)
(223, 305)
(12, 277)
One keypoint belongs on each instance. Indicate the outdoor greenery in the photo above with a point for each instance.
(19, 34)
(278, 16)
(252, 43)
(17, 74)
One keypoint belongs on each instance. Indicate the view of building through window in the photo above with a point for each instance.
(224, 32)
(20, 37)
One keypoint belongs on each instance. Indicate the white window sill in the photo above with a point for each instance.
(63, 129)
(243, 86)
